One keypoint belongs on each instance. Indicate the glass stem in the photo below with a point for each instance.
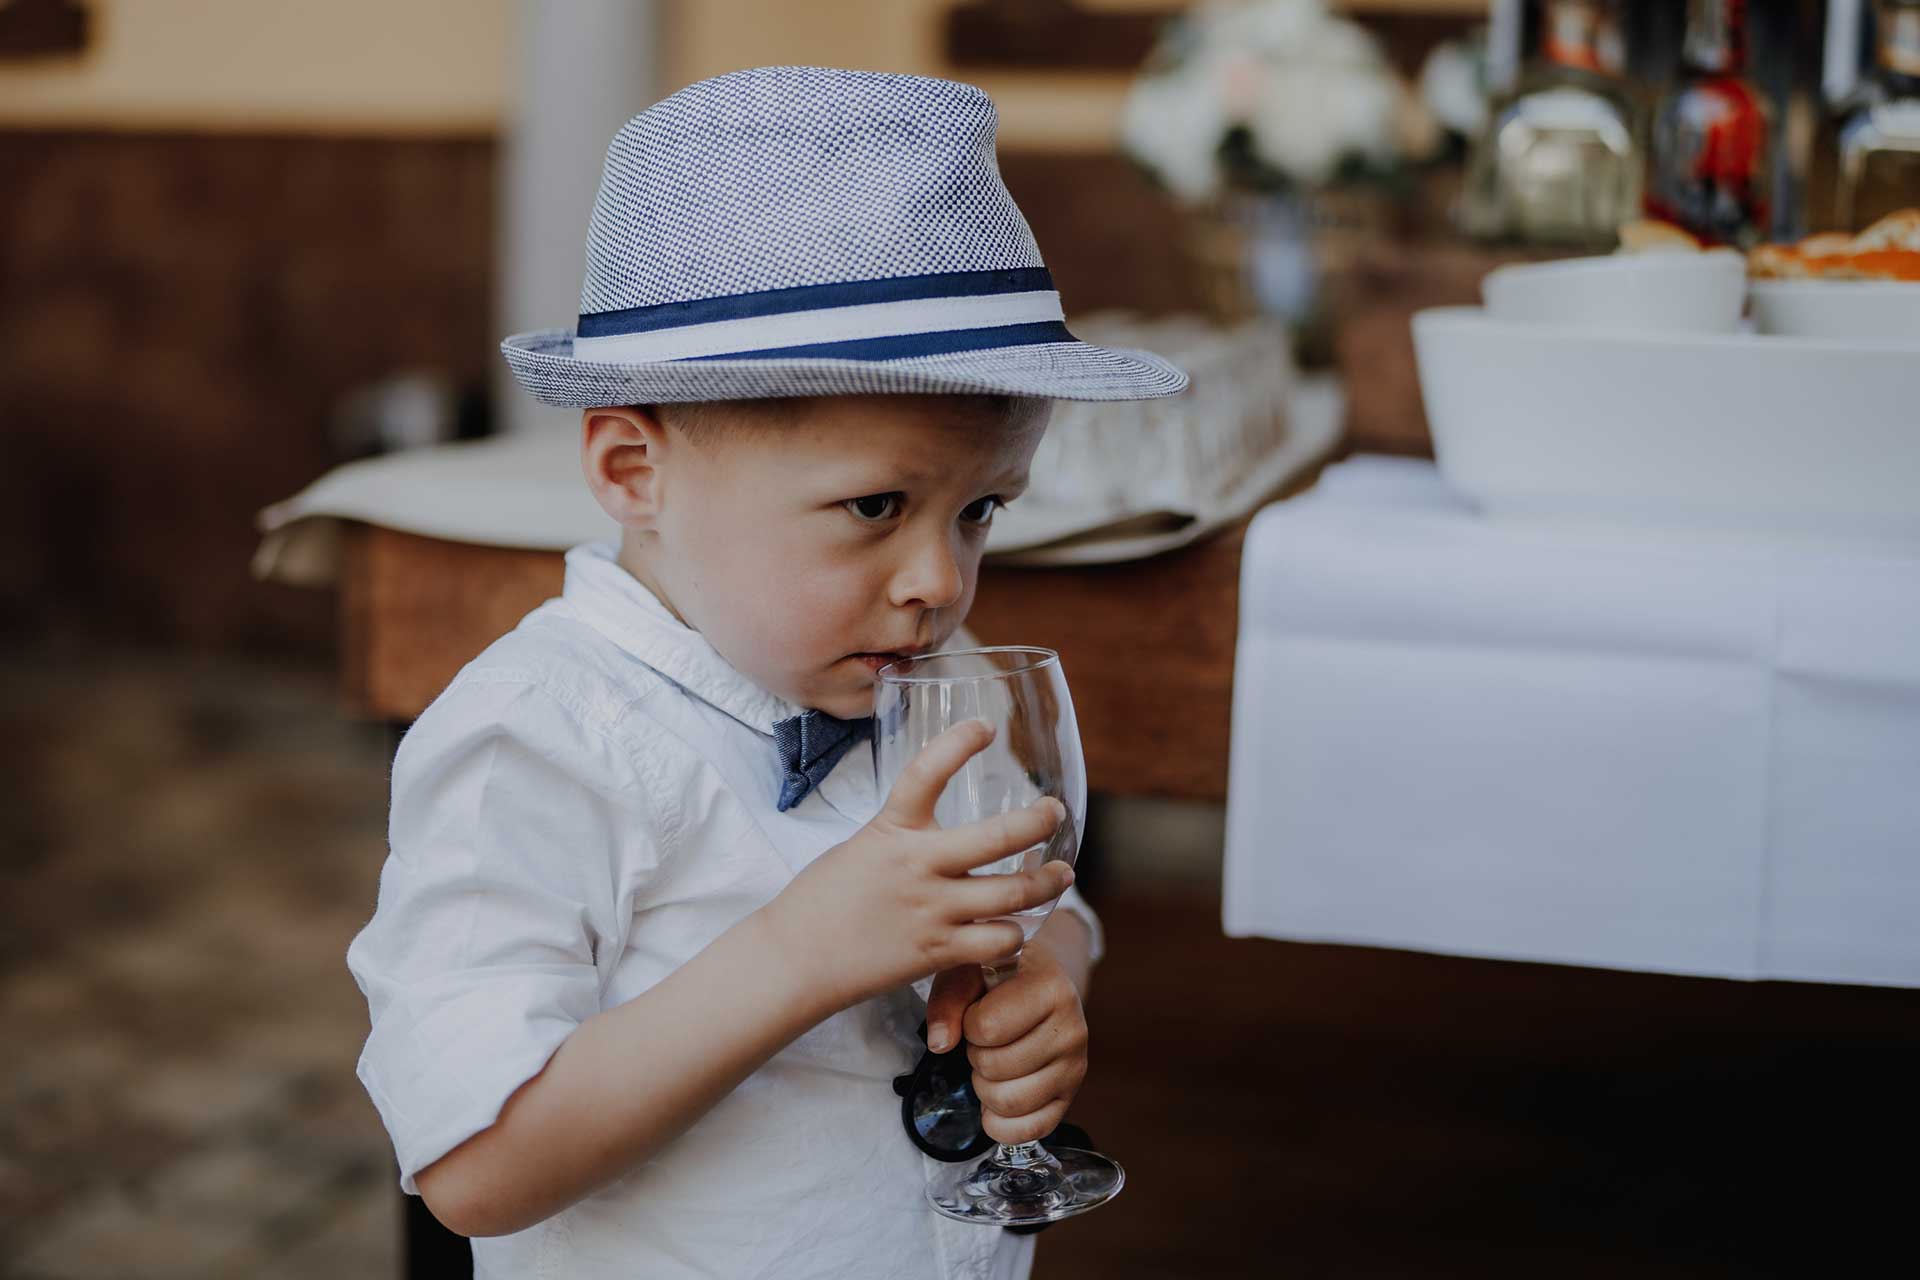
(1021, 1155)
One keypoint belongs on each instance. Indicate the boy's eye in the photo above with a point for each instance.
(875, 507)
(981, 510)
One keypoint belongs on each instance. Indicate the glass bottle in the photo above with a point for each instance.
(1558, 162)
(1879, 145)
(1711, 165)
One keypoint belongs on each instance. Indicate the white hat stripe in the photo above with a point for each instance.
(813, 297)
(835, 324)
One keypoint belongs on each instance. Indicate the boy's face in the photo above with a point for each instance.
(811, 553)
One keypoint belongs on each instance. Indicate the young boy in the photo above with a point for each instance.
(644, 963)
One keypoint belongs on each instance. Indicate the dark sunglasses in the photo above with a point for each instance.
(941, 1112)
(938, 1106)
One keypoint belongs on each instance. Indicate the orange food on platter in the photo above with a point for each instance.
(1895, 231)
(1649, 235)
(1887, 250)
(1776, 262)
(1883, 264)
(1826, 244)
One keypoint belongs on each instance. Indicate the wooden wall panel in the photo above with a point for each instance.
(1110, 237)
(178, 314)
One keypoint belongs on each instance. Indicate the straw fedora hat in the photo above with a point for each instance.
(808, 231)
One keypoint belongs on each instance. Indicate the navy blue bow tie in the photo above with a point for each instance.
(810, 744)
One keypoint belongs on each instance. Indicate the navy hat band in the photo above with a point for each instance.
(846, 315)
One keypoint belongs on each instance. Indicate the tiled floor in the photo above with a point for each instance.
(186, 848)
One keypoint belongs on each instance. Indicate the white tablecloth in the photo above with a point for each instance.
(1683, 753)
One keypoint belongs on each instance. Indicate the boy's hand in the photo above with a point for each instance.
(896, 903)
(1026, 1039)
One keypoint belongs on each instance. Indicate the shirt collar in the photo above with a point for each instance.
(616, 604)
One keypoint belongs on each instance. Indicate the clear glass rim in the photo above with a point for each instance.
(1042, 658)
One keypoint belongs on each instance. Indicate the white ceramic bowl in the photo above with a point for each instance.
(1864, 310)
(1693, 429)
(1627, 292)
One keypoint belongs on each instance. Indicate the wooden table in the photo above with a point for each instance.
(1147, 645)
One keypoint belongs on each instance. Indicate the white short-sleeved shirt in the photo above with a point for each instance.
(587, 806)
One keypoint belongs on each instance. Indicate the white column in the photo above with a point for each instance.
(1840, 53)
(1506, 20)
(579, 69)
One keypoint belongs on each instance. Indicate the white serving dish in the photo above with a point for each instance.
(1678, 292)
(1862, 310)
(1742, 430)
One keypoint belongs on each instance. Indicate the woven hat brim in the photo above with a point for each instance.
(545, 365)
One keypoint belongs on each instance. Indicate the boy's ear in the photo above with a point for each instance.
(622, 452)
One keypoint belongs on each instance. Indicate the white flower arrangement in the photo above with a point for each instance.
(1453, 84)
(1268, 94)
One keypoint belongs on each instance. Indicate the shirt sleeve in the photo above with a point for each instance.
(513, 828)
(1072, 901)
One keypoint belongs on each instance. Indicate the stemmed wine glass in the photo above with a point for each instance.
(1035, 752)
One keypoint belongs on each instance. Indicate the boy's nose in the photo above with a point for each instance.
(930, 577)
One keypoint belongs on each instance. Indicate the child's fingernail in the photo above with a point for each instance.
(939, 1040)
(1069, 874)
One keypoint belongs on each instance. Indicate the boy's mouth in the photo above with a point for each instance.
(875, 661)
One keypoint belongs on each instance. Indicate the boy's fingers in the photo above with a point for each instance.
(984, 897)
(985, 942)
(961, 849)
(1008, 1043)
(918, 788)
(953, 990)
(1058, 1079)
(1029, 1128)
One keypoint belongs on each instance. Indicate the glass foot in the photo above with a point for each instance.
(1012, 1188)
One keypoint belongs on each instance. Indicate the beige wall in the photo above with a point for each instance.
(442, 66)
(1076, 111)
(404, 66)
(1073, 111)
(388, 66)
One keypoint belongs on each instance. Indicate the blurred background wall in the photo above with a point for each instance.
(1074, 111)
(219, 217)
(224, 218)
(422, 67)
